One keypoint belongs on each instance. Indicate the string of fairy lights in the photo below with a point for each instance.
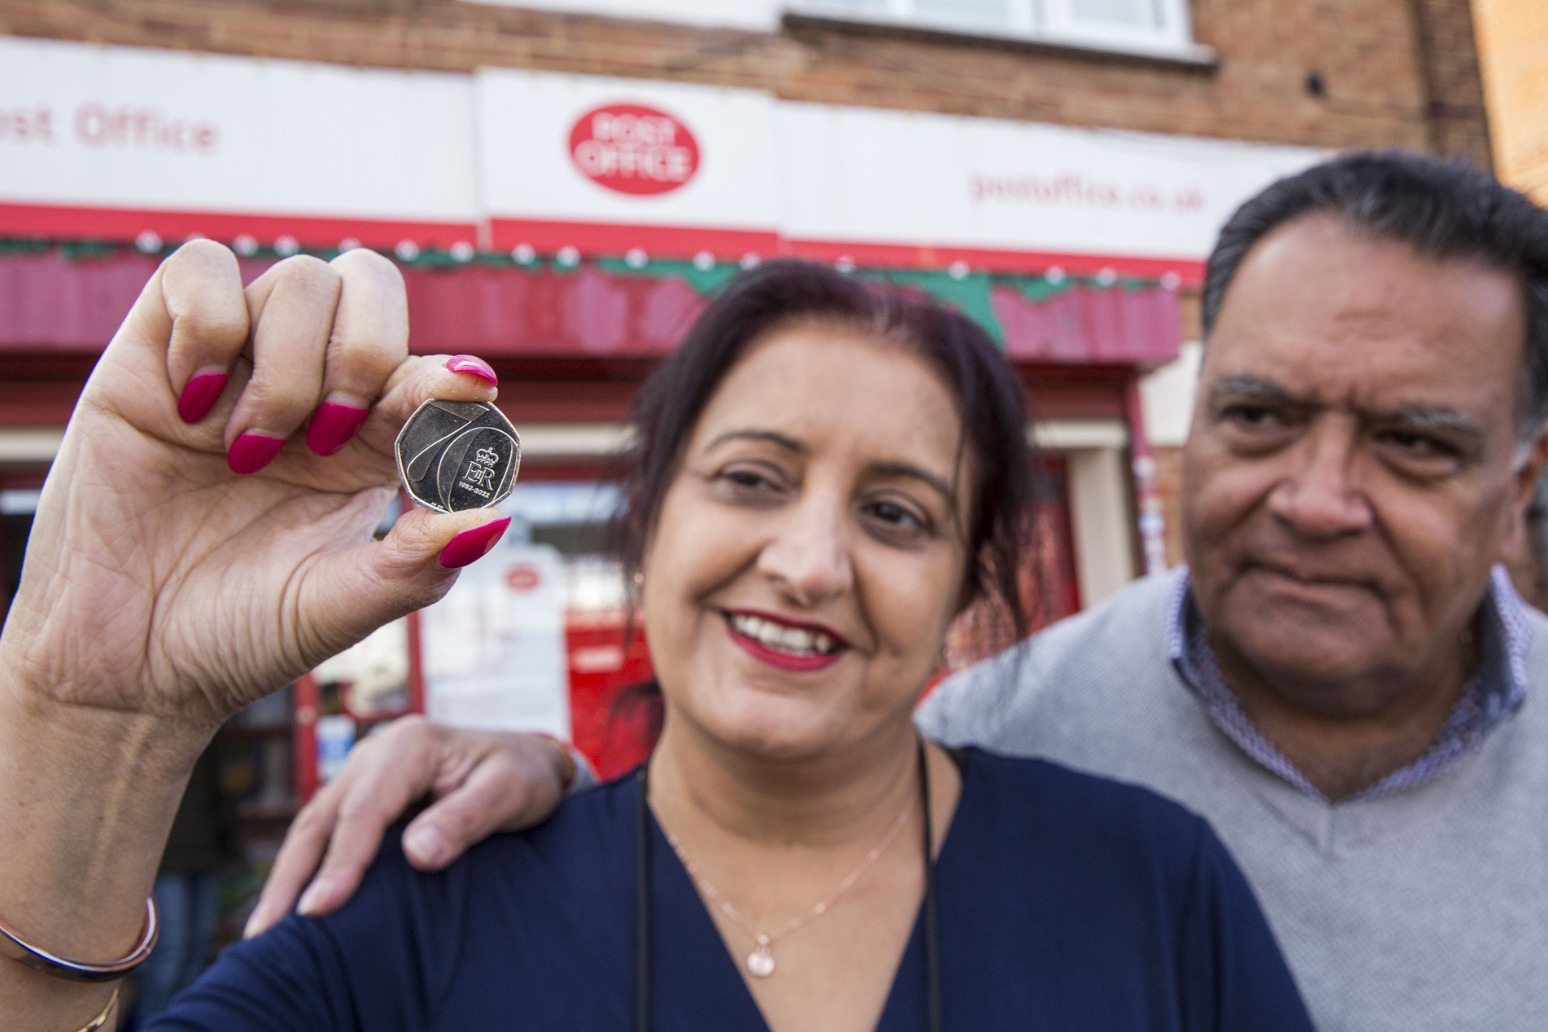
(411, 255)
(971, 290)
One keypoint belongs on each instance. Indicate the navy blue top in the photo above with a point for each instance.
(1066, 902)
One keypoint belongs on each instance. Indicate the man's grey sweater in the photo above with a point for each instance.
(1421, 909)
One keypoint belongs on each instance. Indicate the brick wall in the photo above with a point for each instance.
(1169, 487)
(1448, 58)
(1391, 72)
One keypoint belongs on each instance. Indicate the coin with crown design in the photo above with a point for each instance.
(455, 455)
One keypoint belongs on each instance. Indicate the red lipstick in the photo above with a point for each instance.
(786, 660)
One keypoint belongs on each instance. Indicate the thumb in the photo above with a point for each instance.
(414, 565)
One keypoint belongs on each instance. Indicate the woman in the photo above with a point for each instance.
(826, 476)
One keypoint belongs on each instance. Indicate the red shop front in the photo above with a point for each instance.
(571, 339)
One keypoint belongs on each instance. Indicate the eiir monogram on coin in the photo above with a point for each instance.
(455, 455)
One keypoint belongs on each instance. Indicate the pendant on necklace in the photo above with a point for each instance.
(760, 962)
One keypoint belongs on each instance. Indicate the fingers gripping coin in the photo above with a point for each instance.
(455, 455)
(141, 524)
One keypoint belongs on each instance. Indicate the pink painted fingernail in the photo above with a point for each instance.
(472, 364)
(472, 544)
(251, 452)
(332, 426)
(200, 395)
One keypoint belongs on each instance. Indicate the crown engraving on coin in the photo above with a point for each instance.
(455, 455)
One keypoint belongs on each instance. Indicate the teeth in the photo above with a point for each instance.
(780, 638)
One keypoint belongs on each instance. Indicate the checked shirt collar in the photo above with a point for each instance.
(1493, 694)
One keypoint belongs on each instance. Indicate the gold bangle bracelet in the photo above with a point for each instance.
(23, 952)
(101, 1019)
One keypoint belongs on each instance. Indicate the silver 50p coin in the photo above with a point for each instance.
(455, 455)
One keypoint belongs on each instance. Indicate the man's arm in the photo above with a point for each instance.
(481, 782)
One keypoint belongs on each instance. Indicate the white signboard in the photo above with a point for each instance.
(887, 177)
(334, 151)
(568, 160)
(94, 141)
(493, 654)
(566, 157)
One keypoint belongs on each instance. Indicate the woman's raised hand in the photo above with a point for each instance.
(205, 534)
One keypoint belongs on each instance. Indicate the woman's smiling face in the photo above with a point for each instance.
(808, 554)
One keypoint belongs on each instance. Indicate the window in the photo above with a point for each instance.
(995, 17)
(1123, 24)
(1150, 27)
(1158, 27)
(755, 15)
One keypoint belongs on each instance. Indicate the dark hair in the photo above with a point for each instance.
(785, 292)
(1443, 210)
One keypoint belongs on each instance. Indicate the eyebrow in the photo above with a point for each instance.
(1252, 387)
(1428, 418)
(904, 469)
(890, 469)
(769, 436)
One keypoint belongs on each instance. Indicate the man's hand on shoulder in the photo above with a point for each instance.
(480, 783)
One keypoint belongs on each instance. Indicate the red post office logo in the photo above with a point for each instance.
(634, 149)
(523, 578)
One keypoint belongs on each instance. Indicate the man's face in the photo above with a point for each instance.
(1353, 471)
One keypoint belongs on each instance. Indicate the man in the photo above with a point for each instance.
(1342, 680)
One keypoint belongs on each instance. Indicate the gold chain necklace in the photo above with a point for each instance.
(760, 962)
